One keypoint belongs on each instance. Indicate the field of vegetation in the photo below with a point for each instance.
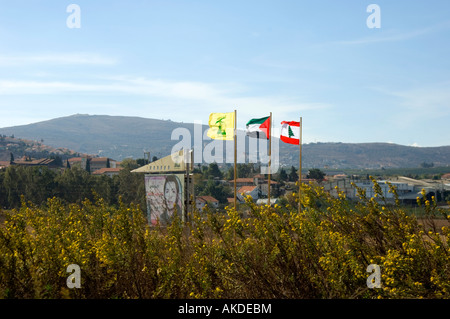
(255, 252)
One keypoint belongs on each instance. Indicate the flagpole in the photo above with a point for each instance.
(235, 133)
(270, 157)
(300, 169)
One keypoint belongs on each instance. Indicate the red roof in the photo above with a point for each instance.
(42, 161)
(207, 199)
(242, 180)
(4, 163)
(246, 189)
(107, 170)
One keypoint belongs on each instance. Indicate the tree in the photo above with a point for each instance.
(142, 161)
(74, 185)
(282, 176)
(214, 171)
(11, 158)
(11, 184)
(129, 164)
(229, 175)
(217, 190)
(426, 165)
(316, 174)
(293, 176)
(131, 187)
(88, 165)
(244, 170)
(57, 160)
(36, 184)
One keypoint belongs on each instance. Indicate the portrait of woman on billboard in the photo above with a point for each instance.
(164, 197)
(172, 198)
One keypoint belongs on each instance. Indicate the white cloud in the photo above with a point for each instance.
(56, 59)
(419, 110)
(177, 100)
(431, 99)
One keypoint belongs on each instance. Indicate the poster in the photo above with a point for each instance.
(164, 196)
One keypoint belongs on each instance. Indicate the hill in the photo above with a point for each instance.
(120, 137)
(117, 137)
(31, 148)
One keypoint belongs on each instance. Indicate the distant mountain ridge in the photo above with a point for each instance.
(119, 137)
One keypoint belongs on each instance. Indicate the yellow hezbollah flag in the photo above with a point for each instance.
(221, 126)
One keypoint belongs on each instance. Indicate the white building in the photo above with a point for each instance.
(201, 201)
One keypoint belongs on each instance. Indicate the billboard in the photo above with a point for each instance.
(164, 196)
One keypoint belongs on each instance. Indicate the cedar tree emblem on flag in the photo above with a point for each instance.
(290, 132)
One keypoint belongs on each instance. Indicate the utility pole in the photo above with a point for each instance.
(148, 156)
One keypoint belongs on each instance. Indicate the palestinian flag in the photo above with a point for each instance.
(259, 128)
(290, 132)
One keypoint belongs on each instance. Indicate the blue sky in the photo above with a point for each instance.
(181, 60)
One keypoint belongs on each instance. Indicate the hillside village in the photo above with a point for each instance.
(99, 135)
(214, 185)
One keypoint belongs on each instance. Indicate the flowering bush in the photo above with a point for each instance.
(272, 252)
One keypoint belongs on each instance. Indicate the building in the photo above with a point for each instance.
(47, 162)
(4, 164)
(243, 182)
(341, 185)
(401, 188)
(264, 187)
(201, 201)
(265, 201)
(108, 171)
(260, 181)
(253, 191)
(407, 189)
(92, 164)
(230, 200)
(101, 162)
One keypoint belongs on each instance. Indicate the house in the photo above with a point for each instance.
(259, 180)
(265, 201)
(48, 162)
(253, 191)
(230, 200)
(264, 186)
(201, 201)
(4, 164)
(445, 176)
(101, 162)
(244, 182)
(74, 161)
(108, 171)
(92, 164)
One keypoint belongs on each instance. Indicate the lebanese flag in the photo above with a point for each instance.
(290, 132)
(259, 128)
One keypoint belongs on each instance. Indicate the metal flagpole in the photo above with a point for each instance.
(235, 195)
(270, 157)
(188, 193)
(300, 169)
